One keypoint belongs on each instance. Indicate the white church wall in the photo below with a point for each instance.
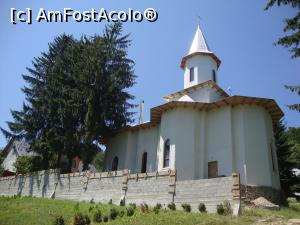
(219, 144)
(257, 160)
(270, 138)
(178, 125)
(202, 73)
(117, 148)
(238, 132)
(147, 142)
(205, 94)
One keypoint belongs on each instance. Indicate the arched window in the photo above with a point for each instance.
(166, 153)
(144, 163)
(192, 74)
(214, 76)
(114, 165)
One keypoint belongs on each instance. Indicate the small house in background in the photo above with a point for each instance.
(12, 151)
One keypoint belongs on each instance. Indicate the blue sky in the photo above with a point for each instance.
(240, 33)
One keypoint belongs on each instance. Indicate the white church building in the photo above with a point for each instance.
(201, 131)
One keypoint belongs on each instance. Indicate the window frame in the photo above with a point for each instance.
(192, 74)
(166, 154)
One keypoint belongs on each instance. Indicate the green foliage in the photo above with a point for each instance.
(113, 213)
(292, 26)
(98, 161)
(144, 208)
(105, 218)
(133, 205)
(220, 209)
(202, 208)
(296, 89)
(130, 211)
(172, 206)
(97, 216)
(121, 213)
(80, 219)
(59, 221)
(28, 164)
(156, 208)
(76, 95)
(286, 162)
(76, 207)
(227, 207)
(186, 207)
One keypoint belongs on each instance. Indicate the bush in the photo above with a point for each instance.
(144, 208)
(172, 206)
(156, 208)
(121, 213)
(130, 211)
(186, 207)
(122, 202)
(28, 164)
(59, 221)
(202, 208)
(113, 213)
(92, 201)
(91, 208)
(110, 202)
(133, 205)
(220, 209)
(227, 207)
(97, 216)
(80, 219)
(105, 219)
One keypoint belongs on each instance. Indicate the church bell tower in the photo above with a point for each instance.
(200, 64)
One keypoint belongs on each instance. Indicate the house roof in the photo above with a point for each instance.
(155, 114)
(208, 83)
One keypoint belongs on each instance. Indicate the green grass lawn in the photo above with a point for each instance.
(37, 211)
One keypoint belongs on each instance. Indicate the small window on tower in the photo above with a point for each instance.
(192, 74)
(214, 76)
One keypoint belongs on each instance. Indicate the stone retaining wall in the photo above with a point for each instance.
(151, 188)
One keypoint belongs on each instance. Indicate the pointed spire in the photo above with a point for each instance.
(199, 43)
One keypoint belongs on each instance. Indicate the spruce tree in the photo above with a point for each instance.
(76, 96)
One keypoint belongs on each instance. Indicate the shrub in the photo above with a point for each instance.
(105, 219)
(110, 202)
(133, 205)
(92, 201)
(121, 213)
(186, 207)
(172, 206)
(122, 202)
(28, 164)
(130, 211)
(59, 221)
(220, 209)
(113, 213)
(80, 219)
(156, 208)
(201, 207)
(144, 208)
(97, 216)
(91, 208)
(227, 207)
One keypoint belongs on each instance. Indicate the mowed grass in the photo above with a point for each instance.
(37, 211)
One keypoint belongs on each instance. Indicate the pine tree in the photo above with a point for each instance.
(286, 164)
(292, 25)
(77, 95)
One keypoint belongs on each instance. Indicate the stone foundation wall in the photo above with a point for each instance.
(151, 188)
(254, 192)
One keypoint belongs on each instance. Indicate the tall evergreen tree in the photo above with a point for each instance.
(286, 164)
(77, 94)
